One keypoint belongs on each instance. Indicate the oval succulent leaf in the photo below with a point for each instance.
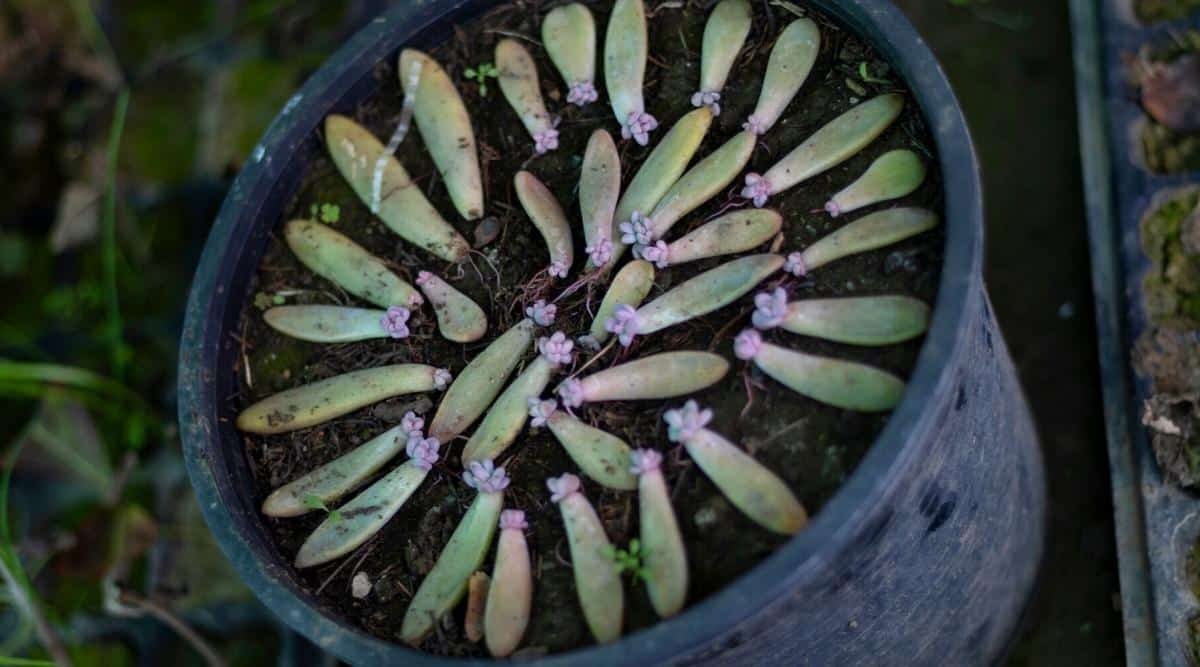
(625, 46)
(749, 485)
(599, 188)
(321, 401)
(601, 456)
(630, 286)
(724, 35)
(327, 324)
(843, 384)
(729, 234)
(697, 296)
(702, 182)
(662, 544)
(893, 175)
(480, 382)
(867, 233)
(446, 583)
(402, 205)
(663, 375)
(356, 521)
(520, 84)
(336, 478)
(546, 214)
(828, 147)
(791, 60)
(597, 581)
(336, 258)
(459, 318)
(569, 35)
(445, 128)
(511, 593)
(507, 415)
(868, 320)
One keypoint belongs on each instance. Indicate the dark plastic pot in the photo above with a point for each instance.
(927, 554)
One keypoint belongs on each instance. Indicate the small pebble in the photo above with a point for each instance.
(360, 586)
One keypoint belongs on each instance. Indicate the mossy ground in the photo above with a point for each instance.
(812, 446)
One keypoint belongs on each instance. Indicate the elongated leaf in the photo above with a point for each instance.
(520, 85)
(662, 546)
(702, 182)
(625, 46)
(597, 581)
(791, 60)
(749, 485)
(664, 166)
(445, 584)
(356, 521)
(445, 128)
(868, 320)
(333, 480)
(569, 35)
(402, 205)
(459, 318)
(729, 234)
(630, 286)
(707, 292)
(601, 456)
(547, 215)
(322, 401)
(844, 384)
(894, 174)
(724, 35)
(662, 375)
(599, 188)
(343, 262)
(480, 382)
(508, 414)
(327, 324)
(869, 232)
(510, 596)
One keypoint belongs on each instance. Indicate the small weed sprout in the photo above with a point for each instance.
(481, 74)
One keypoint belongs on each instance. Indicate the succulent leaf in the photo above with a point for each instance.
(546, 214)
(625, 46)
(869, 232)
(702, 182)
(508, 414)
(630, 286)
(699, 295)
(729, 234)
(520, 84)
(511, 594)
(724, 35)
(402, 205)
(749, 485)
(836, 142)
(868, 320)
(597, 581)
(599, 188)
(601, 456)
(480, 382)
(445, 127)
(336, 258)
(321, 401)
(663, 375)
(336, 478)
(362, 517)
(843, 384)
(662, 544)
(666, 163)
(327, 324)
(569, 35)
(459, 318)
(891, 176)
(791, 60)
(446, 583)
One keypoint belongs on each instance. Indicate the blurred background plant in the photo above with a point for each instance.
(122, 123)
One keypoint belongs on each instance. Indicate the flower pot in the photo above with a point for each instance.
(926, 555)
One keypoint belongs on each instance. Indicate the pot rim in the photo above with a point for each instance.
(804, 559)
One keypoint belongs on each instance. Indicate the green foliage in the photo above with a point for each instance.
(864, 73)
(481, 74)
(264, 300)
(315, 503)
(327, 213)
(629, 560)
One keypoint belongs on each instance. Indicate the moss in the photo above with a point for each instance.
(1172, 285)
(1164, 10)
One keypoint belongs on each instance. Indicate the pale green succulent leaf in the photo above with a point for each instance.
(843, 384)
(341, 261)
(446, 583)
(569, 35)
(789, 65)
(749, 485)
(662, 546)
(891, 176)
(867, 320)
(480, 382)
(702, 182)
(728, 234)
(520, 85)
(547, 216)
(510, 596)
(459, 318)
(599, 187)
(597, 582)
(508, 414)
(362, 517)
(601, 456)
(870, 232)
(625, 48)
(707, 292)
(402, 205)
(663, 375)
(630, 286)
(724, 34)
(327, 324)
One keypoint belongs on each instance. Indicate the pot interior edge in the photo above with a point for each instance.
(265, 186)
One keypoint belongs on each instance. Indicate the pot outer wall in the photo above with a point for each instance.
(929, 552)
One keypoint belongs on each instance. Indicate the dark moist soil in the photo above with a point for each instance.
(811, 446)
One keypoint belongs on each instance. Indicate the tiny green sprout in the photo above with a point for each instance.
(864, 73)
(313, 502)
(481, 74)
(629, 560)
(264, 300)
(327, 213)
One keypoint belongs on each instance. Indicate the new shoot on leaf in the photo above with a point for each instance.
(748, 485)
(844, 384)
(520, 84)
(569, 35)
(597, 581)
